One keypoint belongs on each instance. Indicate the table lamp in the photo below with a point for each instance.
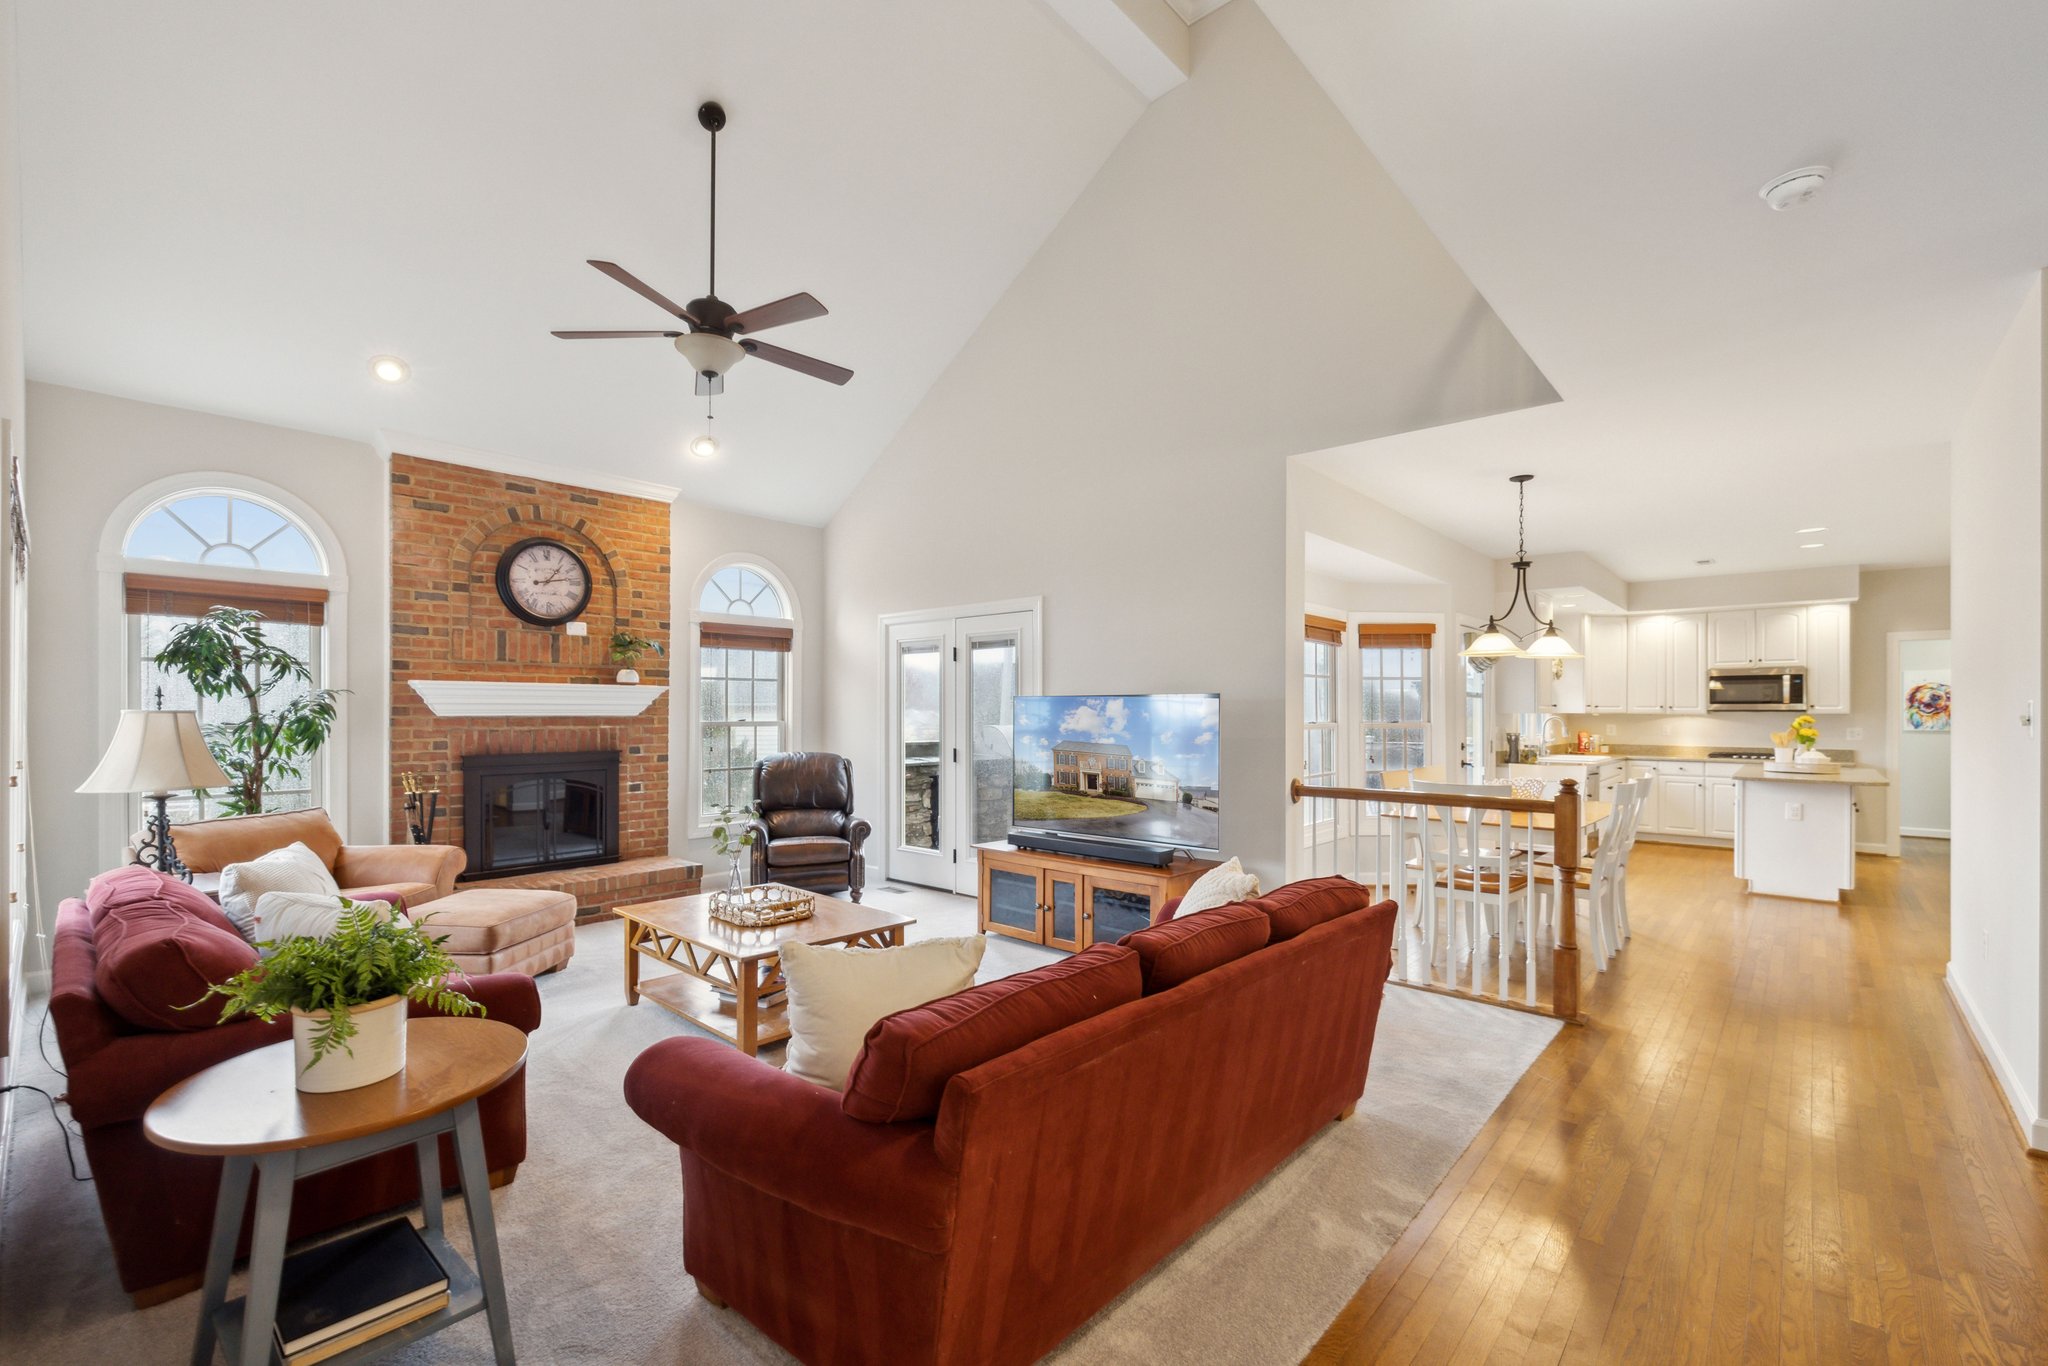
(157, 753)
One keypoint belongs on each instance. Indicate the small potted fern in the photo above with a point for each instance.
(346, 995)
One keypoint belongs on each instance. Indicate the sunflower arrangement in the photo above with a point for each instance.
(1803, 732)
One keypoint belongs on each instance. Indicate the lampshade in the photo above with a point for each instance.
(1492, 643)
(156, 751)
(1551, 645)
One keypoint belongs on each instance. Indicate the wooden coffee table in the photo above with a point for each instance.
(248, 1111)
(710, 954)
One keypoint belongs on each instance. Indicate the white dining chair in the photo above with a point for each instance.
(1461, 869)
(1600, 879)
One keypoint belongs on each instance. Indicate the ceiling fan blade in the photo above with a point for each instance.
(795, 309)
(574, 336)
(645, 290)
(803, 365)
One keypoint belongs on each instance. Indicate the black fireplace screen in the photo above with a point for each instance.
(525, 812)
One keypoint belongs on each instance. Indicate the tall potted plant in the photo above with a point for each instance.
(346, 994)
(225, 656)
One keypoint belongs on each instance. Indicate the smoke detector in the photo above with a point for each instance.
(1794, 187)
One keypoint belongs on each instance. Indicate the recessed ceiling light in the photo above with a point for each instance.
(1814, 545)
(1809, 531)
(390, 369)
(704, 447)
(1794, 187)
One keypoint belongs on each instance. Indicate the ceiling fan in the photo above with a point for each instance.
(713, 344)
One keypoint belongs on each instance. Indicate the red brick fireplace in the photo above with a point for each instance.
(450, 525)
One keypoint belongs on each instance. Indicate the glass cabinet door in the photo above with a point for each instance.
(1063, 901)
(1012, 902)
(1115, 909)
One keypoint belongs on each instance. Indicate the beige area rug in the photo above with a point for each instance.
(591, 1231)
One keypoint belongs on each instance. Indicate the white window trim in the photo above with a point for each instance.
(115, 825)
(1354, 739)
(1314, 831)
(698, 821)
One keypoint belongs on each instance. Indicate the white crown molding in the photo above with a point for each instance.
(427, 448)
(464, 697)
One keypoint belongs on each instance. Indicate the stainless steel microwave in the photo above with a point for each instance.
(1780, 688)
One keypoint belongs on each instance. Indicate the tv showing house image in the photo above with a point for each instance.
(1142, 768)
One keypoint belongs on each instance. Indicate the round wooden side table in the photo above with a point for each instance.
(247, 1111)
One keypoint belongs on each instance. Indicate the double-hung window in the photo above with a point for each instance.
(1394, 702)
(746, 636)
(1323, 637)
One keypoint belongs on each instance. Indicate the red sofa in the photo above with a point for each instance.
(1054, 1175)
(157, 1204)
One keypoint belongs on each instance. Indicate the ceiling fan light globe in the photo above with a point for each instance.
(709, 353)
(704, 446)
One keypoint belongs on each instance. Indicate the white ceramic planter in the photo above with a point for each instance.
(376, 1052)
(1783, 754)
(629, 675)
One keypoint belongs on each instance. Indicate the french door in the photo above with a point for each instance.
(953, 684)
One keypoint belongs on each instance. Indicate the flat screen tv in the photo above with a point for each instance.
(1137, 770)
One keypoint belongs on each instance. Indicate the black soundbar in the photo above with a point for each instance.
(1085, 846)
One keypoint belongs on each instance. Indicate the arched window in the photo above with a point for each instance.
(220, 546)
(741, 590)
(225, 530)
(746, 643)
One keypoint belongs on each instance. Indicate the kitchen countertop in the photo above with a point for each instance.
(1691, 754)
(1850, 775)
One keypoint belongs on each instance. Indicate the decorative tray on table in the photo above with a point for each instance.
(770, 903)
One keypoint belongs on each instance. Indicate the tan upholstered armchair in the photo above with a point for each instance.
(417, 872)
(806, 834)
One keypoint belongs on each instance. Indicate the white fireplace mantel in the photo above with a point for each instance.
(464, 697)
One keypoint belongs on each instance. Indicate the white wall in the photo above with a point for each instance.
(1923, 771)
(15, 905)
(702, 537)
(93, 451)
(1996, 968)
(1240, 282)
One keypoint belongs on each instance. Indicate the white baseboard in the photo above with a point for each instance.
(1924, 834)
(2032, 1124)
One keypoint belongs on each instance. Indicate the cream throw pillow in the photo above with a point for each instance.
(837, 994)
(294, 868)
(1221, 885)
(303, 915)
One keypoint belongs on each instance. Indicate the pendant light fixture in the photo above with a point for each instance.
(1497, 641)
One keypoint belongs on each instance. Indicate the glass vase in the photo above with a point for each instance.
(737, 878)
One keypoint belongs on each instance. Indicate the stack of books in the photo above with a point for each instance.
(361, 1286)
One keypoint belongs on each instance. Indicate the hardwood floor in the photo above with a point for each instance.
(1774, 1142)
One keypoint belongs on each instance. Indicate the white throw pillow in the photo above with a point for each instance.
(294, 868)
(304, 915)
(1221, 885)
(837, 994)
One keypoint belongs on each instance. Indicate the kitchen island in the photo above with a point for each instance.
(1795, 833)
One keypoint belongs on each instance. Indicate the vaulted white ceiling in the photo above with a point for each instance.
(1728, 374)
(233, 205)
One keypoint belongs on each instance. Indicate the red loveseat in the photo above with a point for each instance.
(157, 1204)
(1053, 1175)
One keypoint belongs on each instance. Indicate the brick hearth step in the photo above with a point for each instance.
(601, 890)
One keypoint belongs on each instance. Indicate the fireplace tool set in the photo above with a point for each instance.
(422, 808)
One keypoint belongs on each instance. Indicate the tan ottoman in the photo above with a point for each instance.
(504, 929)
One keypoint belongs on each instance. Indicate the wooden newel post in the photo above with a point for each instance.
(1564, 958)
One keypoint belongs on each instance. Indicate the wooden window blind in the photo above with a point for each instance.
(168, 595)
(1398, 635)
(726, 636)
(1328, 630)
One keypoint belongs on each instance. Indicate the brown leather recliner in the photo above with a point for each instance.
(805, 832)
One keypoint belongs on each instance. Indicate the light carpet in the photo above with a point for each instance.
(592, 1237)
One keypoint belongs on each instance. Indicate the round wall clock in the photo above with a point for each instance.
(543, 581)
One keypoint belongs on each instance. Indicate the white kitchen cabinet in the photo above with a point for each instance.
(1681, 805)
(1606, 664)
(1781, 635)
(1762, 635)
(1721, 808)
(1827, 658)
(1731, 639)
(1667, 668)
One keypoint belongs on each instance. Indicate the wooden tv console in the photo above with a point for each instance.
(1065, 901)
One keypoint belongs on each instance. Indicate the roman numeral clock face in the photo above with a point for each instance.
(543, 582)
